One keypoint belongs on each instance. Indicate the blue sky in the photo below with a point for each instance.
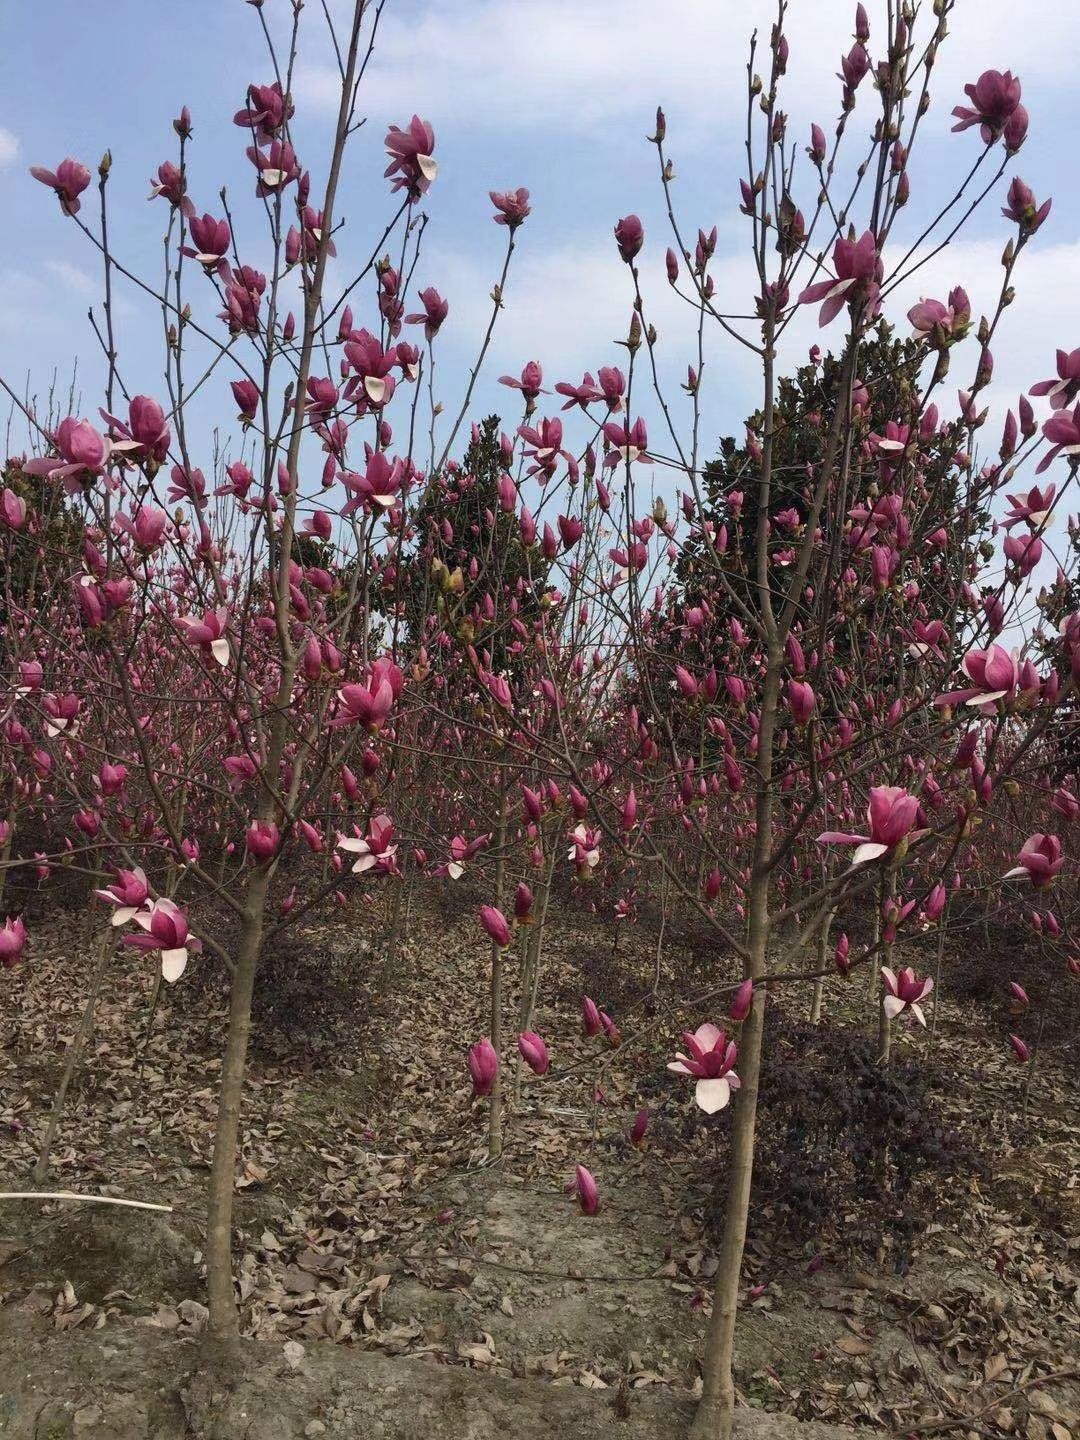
(553, 94)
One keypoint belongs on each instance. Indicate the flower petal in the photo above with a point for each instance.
(712, 1095)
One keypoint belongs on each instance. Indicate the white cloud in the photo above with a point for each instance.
(532, 65)
(73, 277)
(9, 147)
(567, 306)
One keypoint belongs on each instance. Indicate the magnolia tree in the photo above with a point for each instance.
(811, 682)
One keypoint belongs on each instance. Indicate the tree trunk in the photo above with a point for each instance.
(495, 1103)
(224, 1320)
(5, 855)
(716, 1412)
(822, 955)
(888, 892)
(943, 920)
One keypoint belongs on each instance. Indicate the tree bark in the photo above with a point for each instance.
(822, 955)
(495, 1102)
(224, 1319)
(716, 1412)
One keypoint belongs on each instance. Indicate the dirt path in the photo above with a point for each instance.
(142, 1386)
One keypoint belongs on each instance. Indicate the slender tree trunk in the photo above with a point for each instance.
(822, 957)
(74, 1056)
(535, 951)
(872, 978)
(495, 1103)
(224, 1320)
(943, 919)
(5, 854)
(716, 1411)
(888, 891)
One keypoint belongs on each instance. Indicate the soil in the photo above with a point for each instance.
(373, 1232)
(132, 1384)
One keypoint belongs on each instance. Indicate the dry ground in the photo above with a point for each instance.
(369, 1218)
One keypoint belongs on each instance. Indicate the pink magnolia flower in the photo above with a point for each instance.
(627, 443)
(935, 903)
(892, 813)
(433, 314)
(1020, 1049)
(591, 1024)
(927, 640)
(412, 163)
(534, 1052)
(12, 509)
(82, 451)
(265, 110)
(210, 241)
(585, 394)
(523, 904)
(933, 318)
(277, 167)
(372, 365)
(905, 991)
(69, 180)
(1019, 999)
(801, 701)
(585, 851)
(587, 1190)
(483, 1065)
(12, 941)
(512, 206)
(1065, 803)
(711, 1060)
(31, 674)
(129, 892)
(496, 925)
(629, 237)
(370, 704)
(1015, 131)
(994, 97)
(170, 183)
(530, 382)
(263, 839)
(1063, 388)
(1023, 551)
(461, 852)
(1040, 859)
(1032, 508)
(247, 397)
(742, 1001)
(1023, 208)
(375, 850)
(380, 485)
(640, 1127)
(841, 955)
(1063, 432)
(544, 447)
(166, 929)
(112, 778)
(145, 434)
(146, 526)
(859, 273)
(996, 673)
(243, 295)
(61, 714)
(208, 634)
